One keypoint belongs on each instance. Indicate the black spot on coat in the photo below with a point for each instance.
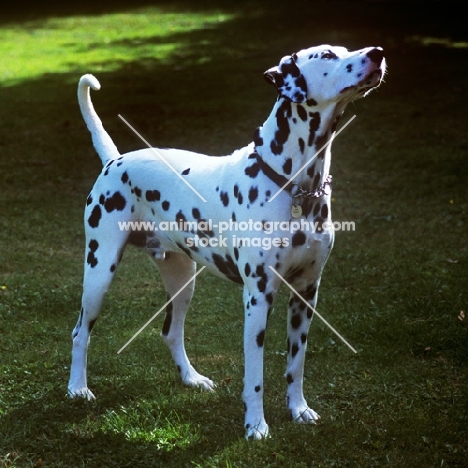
(283, 131)
(287, 166)
(252, 171)
(224, 198)
(261, 338)
(93, 245)
(302, 113)
(168, 319)
(324, 211)
(95, 217)
(262, 282)
(301, 145)
(321, 141)
(180, 217)
(294, 349)
(253, 194)
(153, 195)
(314, 125)
(296, 321)
(299, 238)
(91, 259)
(116, 202)
(227, 267)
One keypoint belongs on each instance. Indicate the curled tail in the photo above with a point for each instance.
(101, 140)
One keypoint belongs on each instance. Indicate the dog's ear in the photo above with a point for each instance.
(288, 80)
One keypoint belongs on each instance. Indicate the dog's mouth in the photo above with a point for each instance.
(371, 81)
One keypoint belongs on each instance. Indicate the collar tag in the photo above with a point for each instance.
(296, 211)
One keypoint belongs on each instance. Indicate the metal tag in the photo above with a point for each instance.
(296, 211)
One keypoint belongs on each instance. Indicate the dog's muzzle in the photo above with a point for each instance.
(373, 78)
(376, 56)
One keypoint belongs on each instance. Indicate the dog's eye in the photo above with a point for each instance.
(329, 55)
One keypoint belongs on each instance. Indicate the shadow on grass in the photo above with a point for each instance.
(62, 432)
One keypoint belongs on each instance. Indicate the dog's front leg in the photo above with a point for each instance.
(256, 314)
(299, 319)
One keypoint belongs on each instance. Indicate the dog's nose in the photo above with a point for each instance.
(376, 55)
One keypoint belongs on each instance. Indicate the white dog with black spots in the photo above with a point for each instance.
(314, 86)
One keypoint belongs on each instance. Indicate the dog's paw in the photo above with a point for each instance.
(193, 379)
(84, 392)
(257, 431)
(304, 415)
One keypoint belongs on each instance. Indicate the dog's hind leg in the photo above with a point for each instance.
(176, 269)
(102, 258)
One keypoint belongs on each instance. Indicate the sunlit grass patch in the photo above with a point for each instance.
(107, 42)
(140, 423)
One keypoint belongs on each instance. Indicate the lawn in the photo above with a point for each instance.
(189, 75)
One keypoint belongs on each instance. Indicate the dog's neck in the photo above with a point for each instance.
(293, 134)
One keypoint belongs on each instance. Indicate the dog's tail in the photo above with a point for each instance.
(101, 140)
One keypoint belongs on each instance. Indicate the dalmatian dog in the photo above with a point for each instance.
(277, 180)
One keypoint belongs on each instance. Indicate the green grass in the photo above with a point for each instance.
(105, 42)
(191, 77)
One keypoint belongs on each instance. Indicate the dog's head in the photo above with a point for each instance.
(327, 74)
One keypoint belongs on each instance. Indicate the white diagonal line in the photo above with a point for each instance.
(161, 309)
(311, 159)
(312, 308)
(157, 153)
